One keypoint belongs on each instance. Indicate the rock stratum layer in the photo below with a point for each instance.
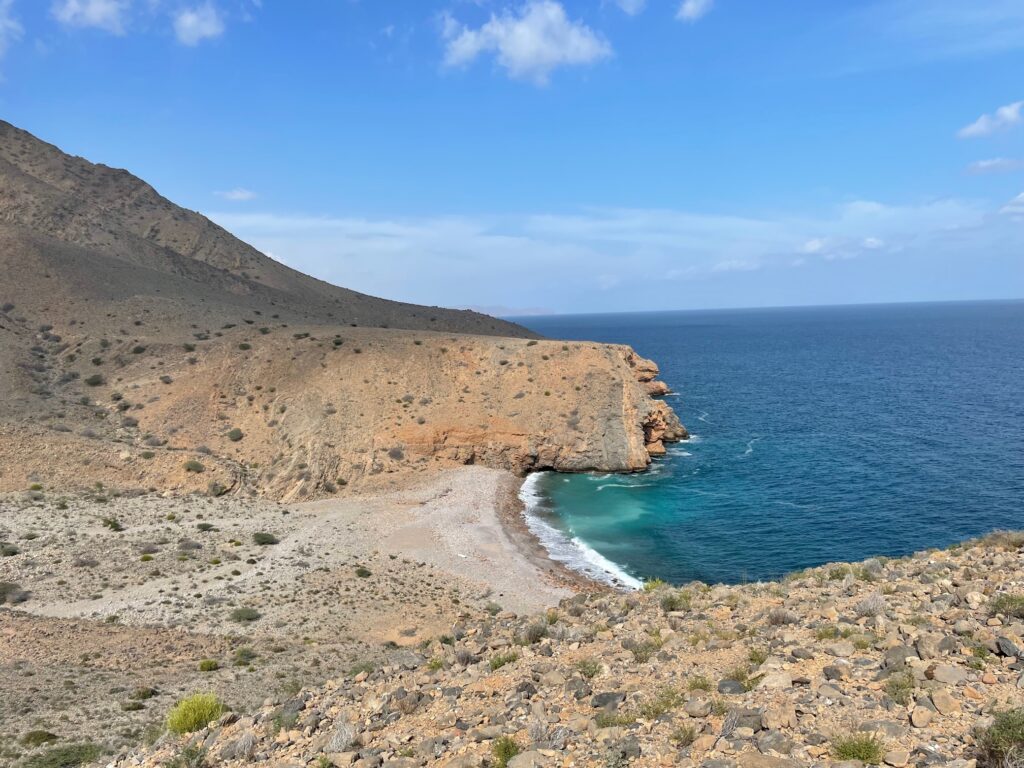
(141, 345)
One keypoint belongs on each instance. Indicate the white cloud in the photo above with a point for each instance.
(632, 7)
(937, 29)
(108, 15)
(498, 258)
(238, 194)
(692, 10)
(528, 43)
(1015, 207)
(995, 165)
(1001, 119)
(193, 25)
(10, 28)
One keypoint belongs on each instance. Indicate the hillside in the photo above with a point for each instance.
(907, 663)
(144, 346)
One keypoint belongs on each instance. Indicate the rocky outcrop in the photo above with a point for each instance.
(899, 663)
(297, 412)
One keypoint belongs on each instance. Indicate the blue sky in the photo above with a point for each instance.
(546, 155)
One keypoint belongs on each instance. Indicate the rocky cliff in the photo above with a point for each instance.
(143, 346)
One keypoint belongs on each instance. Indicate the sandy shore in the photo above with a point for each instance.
(130, 593)
(187, 561)
(468, 523)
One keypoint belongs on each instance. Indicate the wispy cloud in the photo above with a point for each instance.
(692, 10)
(631, 7)
(238, 194)
(1015, 207)
(1003, 118)
(499, 258)
(10, 28)
(108, 15)
(529, 42)
(995, 165)
(951, 28)
(202, 22)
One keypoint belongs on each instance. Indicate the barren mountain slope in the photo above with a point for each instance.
(143, 346)
(44, 191)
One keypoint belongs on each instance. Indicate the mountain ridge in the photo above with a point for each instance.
(133, 326)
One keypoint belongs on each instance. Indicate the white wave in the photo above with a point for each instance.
(570, 551)
(623, 485)
(750, 446)
(704, 417)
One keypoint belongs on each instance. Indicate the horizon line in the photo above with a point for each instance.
(1004, 300)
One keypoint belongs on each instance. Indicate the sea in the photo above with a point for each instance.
(818, 434)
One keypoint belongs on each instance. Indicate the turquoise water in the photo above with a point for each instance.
(819, 434)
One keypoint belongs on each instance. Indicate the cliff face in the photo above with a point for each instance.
(136, 336)
(298, 412)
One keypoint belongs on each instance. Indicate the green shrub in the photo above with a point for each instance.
(614, 719)
(113, 524)
(361, 667)
(244, 656)
(589, 668)
(235, 435)
(147, 454)
(499, 661)
(865, 747)
(1002, 743)
(534, 633)
(504, 749)
(362, 572)
(193, 713)
(1008, 605)
(900, 687)
(676, 601)
(194, 466)
(67, 756)
(698, 683)
(683, 736)
(642, 652)
(662, 702)
(94, 381)
(264, 539)
(245, 615)
(38, 738)
(11, 593)
(209, 665)
(191, 756)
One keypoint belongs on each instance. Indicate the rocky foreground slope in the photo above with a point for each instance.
(142, 346)
(901, 662)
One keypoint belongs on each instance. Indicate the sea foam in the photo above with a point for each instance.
(569, 550)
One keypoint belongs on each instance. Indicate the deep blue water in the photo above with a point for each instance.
(820, 434)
